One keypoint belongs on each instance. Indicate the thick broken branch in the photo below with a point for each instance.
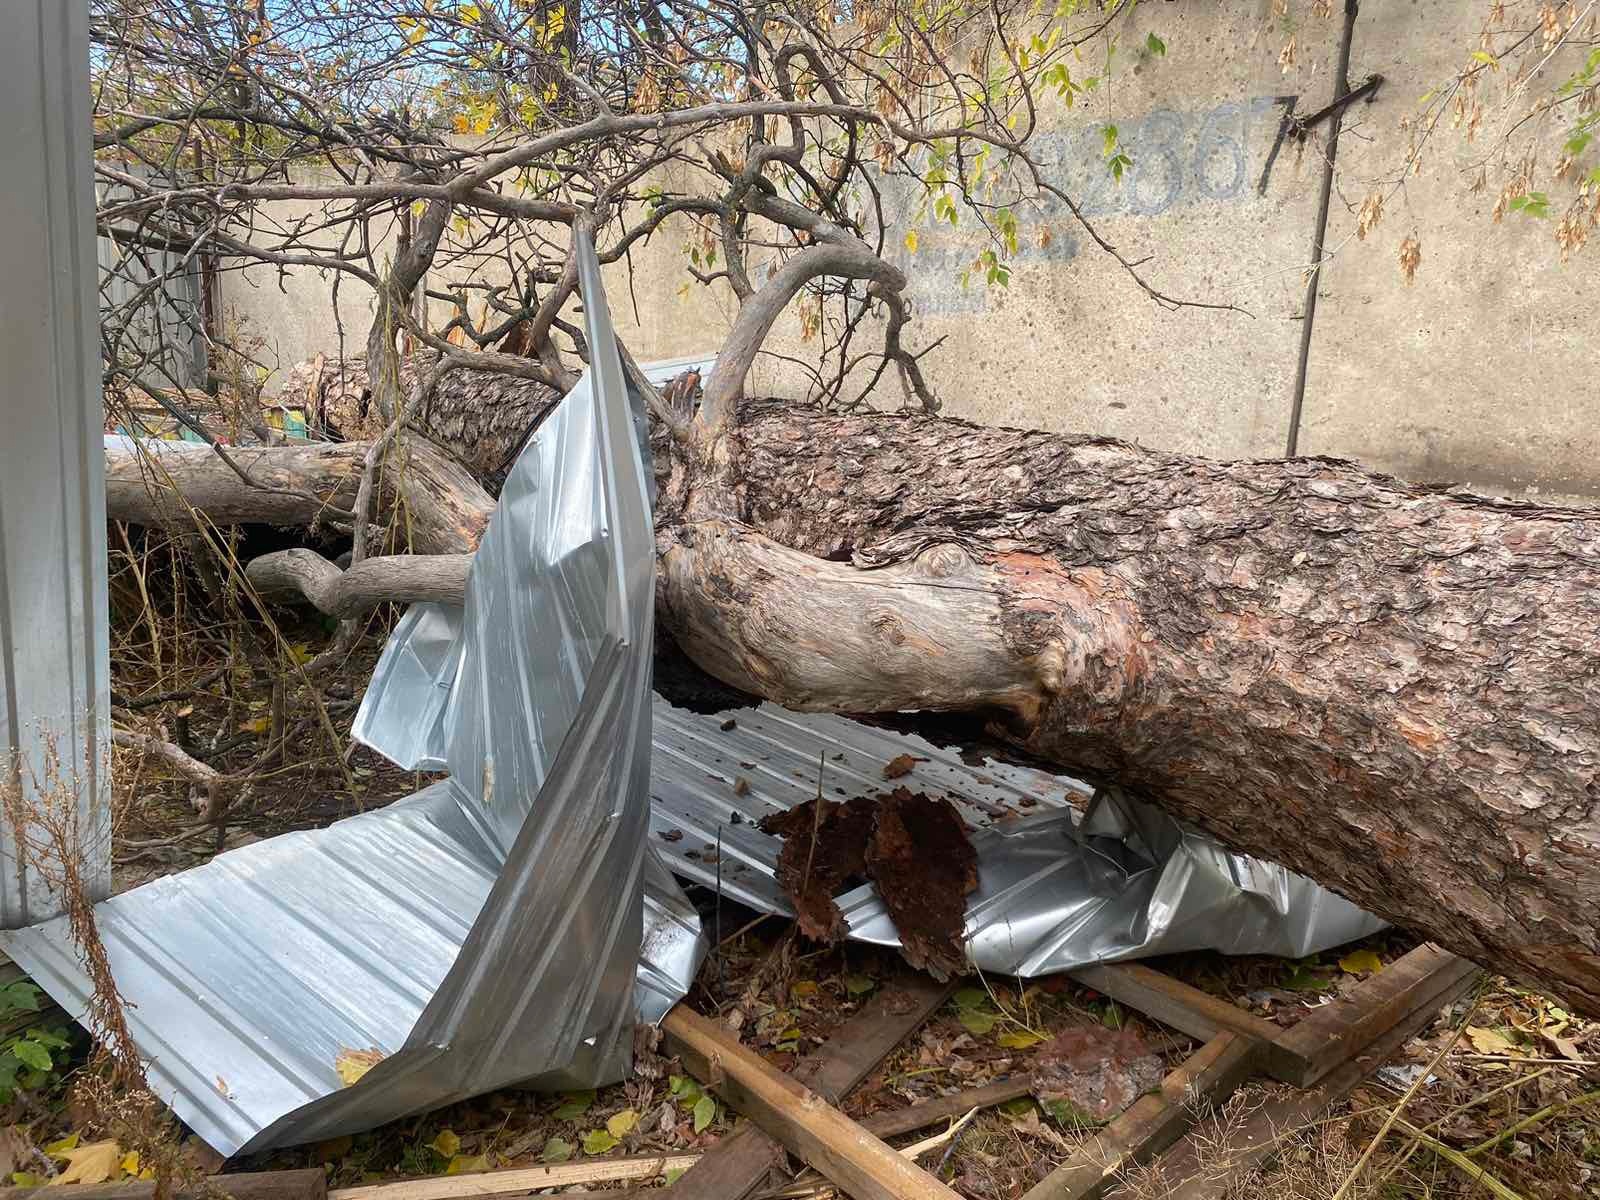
(445, 509)
(301, 574)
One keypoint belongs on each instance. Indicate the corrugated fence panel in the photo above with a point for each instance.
(53, 639)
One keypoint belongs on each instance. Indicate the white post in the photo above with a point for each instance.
(54, 698)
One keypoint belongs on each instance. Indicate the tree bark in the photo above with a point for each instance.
(480, 418)
(1389, 688)
(1392, 689)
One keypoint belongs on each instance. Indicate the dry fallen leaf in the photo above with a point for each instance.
(95, 1163)
(1489, 1041)
(353, 1064)
(900, 764)
(15, 1149)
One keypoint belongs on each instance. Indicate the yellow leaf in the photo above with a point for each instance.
(258, 725)
(1018, 1041)
(95, 1163)
(353, 1064)
(447, 1143)
(623, 1122)
(130, 1163)
(1361, 962)
(911, 240)
(466, 1164)
(804, 987)
(301, 653)
(1489, 1041)
(59, 1149)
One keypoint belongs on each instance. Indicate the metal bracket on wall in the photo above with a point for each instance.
(1300, 127)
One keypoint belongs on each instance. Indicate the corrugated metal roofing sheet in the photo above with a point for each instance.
(54, 678)
(487, 930)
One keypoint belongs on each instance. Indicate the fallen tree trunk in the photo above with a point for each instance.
(480, 418)
(1391, 689)
(431, 502)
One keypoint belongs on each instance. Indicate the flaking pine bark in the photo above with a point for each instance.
(1392, 689)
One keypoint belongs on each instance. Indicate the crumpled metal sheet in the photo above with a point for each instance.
(487, 930)
(1055, 890)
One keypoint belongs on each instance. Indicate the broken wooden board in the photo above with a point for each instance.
(1329, 1035)
(1154, 1122)
(803, 1121)
(737, 1164)
(1207, 1163)
(513, 1181)
(894, 1121)
(309, 1183)
(1309, 1049)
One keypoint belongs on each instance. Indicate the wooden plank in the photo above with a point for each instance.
(1186, 1009)
(1154, 1121)
(509, 1182)
(310, 1183)
(740, 1162)
(894, 1121)
(1329, 1035)
(1207, 1167)
(798, 1117)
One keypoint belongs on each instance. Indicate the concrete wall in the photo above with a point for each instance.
(1471, 375)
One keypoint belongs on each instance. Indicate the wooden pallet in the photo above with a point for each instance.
(1328, 1052)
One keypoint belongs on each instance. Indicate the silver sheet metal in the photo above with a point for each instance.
(1055, 891)
(486, 931)
(54, 635)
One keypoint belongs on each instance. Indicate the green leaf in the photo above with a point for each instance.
(977, 1021)
(447, 1144)
(1304, 979)
(1155, 45)
(20, 996)
(1068, 1115)
(971, 998)
(674, 1174)
(859, 985)
(705, 1112)
(556, 1150)
(30, 1054)
(598, 1141)
(1109, 135)
(467, 1164)
(1020, 1107)
(574, 1106)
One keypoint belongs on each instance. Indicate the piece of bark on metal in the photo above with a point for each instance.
(1210, 1161)
(815, 1131)
(739, 1163)
(1154, 1122)
(309, 1183)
